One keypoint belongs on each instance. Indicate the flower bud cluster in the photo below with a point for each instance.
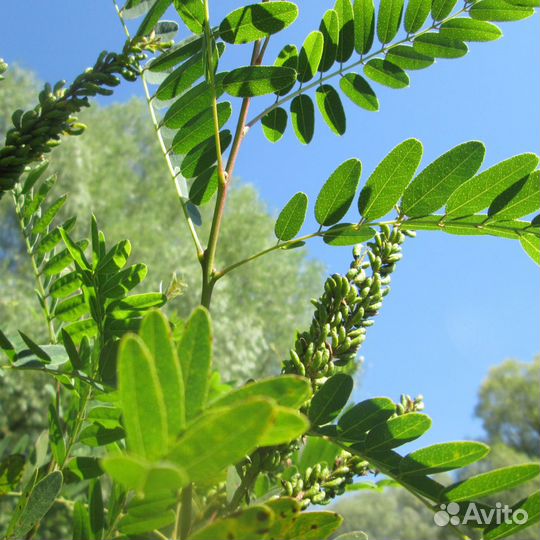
(408, 404)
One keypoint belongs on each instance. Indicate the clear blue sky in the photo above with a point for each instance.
(458, 305)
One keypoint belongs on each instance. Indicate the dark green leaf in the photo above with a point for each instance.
(310, 56)
(256, 21)
(407, 57)
(274, 124)
(331, 108)
(11, 469)
(499, 10)
(84, 468)
(46, 219)
(204, 155)
(338, 192)
(288, 57)
(292, 217)
(7, 347)
(520, 199)
(33, 176)
(344, 10)
(303, 118)
(121, 283)
(440, 9)
(75, 250)
(477, 193)
(257, 80)
(181, 78)
(470, 30)
(347, 234)
(330, 399)
(364, 25)
(416, 15)
(364, 416)
(53, 238)
(204, 187)
(389, 19)
(386, 73)
(152, 17)
(56, 437)
(358, 90)
(397, 431)
(386, 185)
(433, 186)
(329, 28)
(35, 348)
(192, 13)
(166, 30)
(439, 46)
(95, 509)
(531, 245)
(81, 522)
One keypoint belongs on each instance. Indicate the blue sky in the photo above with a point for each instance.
(458, 305)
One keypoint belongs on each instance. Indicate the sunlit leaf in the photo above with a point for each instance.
(303, 118)
(407, 57)
(331, 108)
(330, 399)
(344, 10)
(440, 9)
(192, 13)
(364, 25)
(470, 30)
(389, 19)
(520, 199)
(386, 73)
(257, 80)
(358, 420)
(329, 28)
(416, 15)
(358, 90)
(274, 124)
(347, 234)
(310, 56)
(499, 10)
(292, 217)
(439, 46)
(288, 57)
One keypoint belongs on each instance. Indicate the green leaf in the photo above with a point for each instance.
(115, 259)
(274, 124)
(65, 285)
(37, 505)
(81, 522)
(520, 199)
(329, 28)
(303, 118)
(166, 30)
(49, 241)
(439, 46)
(386, 185)
(157, 336)
(195, 353)
(75, 250)
(364, 25)
(310, 56)
(347, 234)
(389, 19)
(416, 15)
(310, 526)
(386, 73)
(482, 485)
(440, 9)
(530, 506)
(256, 21)
(292, 217)
(331, 108)
(407, 57)
(192, 13)
(317, 450)
(33, 176)
(338, 192)
(152, 17)
(176, 54)
(119, 284)
(95, 509)
(470, 30)
(210, 445)
(203, 156)
(35, 348)
(358, 90)
(56, 437)
(129, 471)
(286, 426)
(83, 468)
(367, 414)
(7, 347)
(397, 431)
(477, 193)
(345, 13)
(11, 469)
(181, 78)
(499, 10)
(286, 390)
(139, 302)
(330, 399)
(204, 187)
(257, 80)
(143, 405)
(443, 457)
(433, 186)
(60, 261)
(71, 309)
(288, 57)
(46, 219)
(200, 128)
(251, 523)
(135, 525)
(531, 245)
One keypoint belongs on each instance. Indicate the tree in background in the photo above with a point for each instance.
(510, 410)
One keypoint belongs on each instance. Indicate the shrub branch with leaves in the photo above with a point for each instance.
(141, 424)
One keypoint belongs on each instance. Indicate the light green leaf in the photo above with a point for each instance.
(286, 425)
(440, 9)
(443, 457)
(433, 186)
(530, 506)
(292, 217)
(331, 108)
(192, 13)
(329, 28)
(357, 421)
(310, 526)
(407, 57)
(386, 73)
(71, 309)
(143, 404)
(499, 10)
(318, 450)
(386, 185)
(138, 525)
(303, 118)
(416, 15)
(389, 19)
(520, 199)
(477, 193)
(46, 219)
(195, 353)
(256, 21)
(344, 10)
(338, 192)
(210, 445)
(257, 80)
(330, 399)
(288, 57)
(439, 46)
(75, 250)
(364, 25)
(470, 30)
(358, 90)
(531, 245)
(310, 56)
(347, 234)
(176, 54)
(138, 301)
(274, 124)
(397, 431)
(482, 485)
(203, 156)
